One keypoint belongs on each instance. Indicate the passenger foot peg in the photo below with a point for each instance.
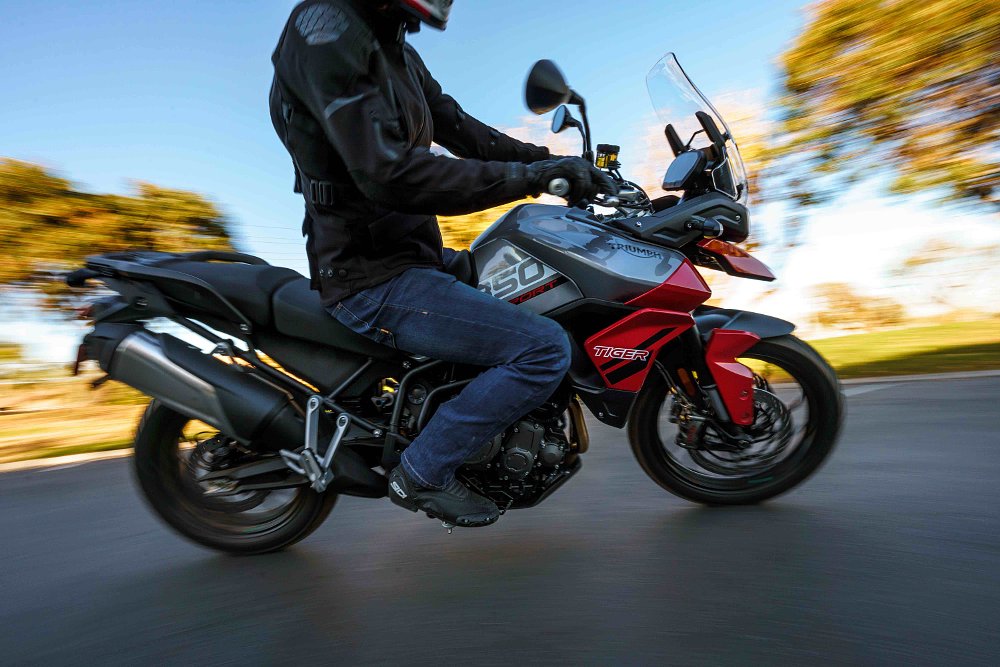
(307, 462)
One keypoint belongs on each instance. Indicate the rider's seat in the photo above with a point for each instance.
(299, 313)
(273, 298)
(279, 299)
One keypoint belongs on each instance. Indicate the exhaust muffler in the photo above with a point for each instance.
(243, 406)
(197, 385)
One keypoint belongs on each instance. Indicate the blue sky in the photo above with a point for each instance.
(175, 93)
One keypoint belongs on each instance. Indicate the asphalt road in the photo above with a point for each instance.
(890, 555)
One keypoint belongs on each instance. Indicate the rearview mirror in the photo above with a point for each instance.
(546, 88)
(563, 119)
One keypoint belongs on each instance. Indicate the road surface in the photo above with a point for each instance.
(890, 555)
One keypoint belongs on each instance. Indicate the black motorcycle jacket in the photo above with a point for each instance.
(357, 110)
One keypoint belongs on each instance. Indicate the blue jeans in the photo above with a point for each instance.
(428, 312)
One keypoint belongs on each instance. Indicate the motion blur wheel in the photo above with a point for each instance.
(798, 414)
(172, 457)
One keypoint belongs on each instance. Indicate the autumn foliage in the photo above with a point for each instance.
(904, 91)
(48, 225)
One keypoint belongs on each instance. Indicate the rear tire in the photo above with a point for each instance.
(821, 390)
(159, 475)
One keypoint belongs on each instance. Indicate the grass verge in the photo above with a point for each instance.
(939, 348)
(75, 423)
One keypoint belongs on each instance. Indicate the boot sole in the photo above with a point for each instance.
(459, 522)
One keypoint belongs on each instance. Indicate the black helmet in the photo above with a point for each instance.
(432, 12)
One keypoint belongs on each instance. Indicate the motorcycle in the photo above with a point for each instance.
(250, 439)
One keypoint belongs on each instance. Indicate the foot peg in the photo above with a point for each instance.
(444, 524)
(307, 462)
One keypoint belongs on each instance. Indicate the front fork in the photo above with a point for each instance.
(712, 378)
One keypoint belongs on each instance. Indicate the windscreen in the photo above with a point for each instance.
(676, 99)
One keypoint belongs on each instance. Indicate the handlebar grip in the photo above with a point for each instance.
(558, 187)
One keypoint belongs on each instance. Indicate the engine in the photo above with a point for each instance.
(522, 465)
(517, 451)
(518, 467)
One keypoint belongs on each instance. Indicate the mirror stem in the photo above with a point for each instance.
(588, 152)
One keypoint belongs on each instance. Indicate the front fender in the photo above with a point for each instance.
(708, 319)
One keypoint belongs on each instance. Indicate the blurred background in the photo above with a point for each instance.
(870, 130)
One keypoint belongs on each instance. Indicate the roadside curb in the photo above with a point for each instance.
(926, 377)
(78, 459)
(62, 461)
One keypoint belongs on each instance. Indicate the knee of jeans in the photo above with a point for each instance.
(556, 352)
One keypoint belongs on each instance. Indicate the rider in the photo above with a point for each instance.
(357, 109)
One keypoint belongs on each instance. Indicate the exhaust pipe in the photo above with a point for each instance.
(240, 405)
(243, 406)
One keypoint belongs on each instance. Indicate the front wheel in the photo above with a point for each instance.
(172, 452)
(799, 413)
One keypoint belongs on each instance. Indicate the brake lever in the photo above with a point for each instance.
(560, 188)
(625, 197)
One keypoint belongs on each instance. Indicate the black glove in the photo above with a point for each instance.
(585, 180)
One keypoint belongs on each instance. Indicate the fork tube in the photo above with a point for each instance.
(695, 353)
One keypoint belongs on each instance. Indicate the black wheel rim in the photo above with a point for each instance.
(250, 514)
(718, 471)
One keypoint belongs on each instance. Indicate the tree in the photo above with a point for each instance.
(459, 231)
(847, 309)
(951, 275)
(48, 226)
(912, 87)
(11, 352)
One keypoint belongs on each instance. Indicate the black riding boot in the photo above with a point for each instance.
(455, 503)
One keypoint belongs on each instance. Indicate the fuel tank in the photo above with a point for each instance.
(544, 257)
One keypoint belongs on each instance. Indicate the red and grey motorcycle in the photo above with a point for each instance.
(252, 435)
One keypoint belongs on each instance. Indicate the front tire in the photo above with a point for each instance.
(718, 485)
(247, 527)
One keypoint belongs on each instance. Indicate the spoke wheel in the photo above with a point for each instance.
(798, 412)
(172, 456)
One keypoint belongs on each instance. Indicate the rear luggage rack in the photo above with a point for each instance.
(151, 266)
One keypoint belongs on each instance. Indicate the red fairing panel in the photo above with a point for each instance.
(624, 352)
(684, 290)
(735, 381)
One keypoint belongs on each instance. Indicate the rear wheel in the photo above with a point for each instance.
(799, 410)
(171, 453)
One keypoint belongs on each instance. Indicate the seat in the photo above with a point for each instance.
(299, 313)
(249, 287)
(275, 298)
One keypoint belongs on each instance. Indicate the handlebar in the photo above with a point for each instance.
(559, 187)
(624, 197)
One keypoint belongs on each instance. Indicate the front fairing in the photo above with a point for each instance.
(596, 261)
